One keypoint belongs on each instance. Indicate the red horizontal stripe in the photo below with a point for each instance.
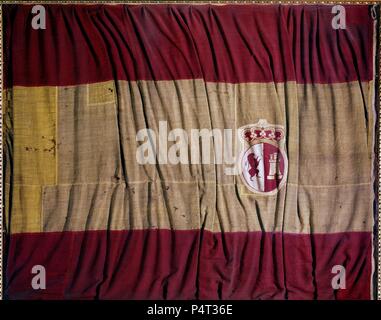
(163, 264)
(230, 43)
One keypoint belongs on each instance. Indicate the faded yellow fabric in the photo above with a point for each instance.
(335, 133)
(295, 209)
(26, 209)
(88, 138)
(151, 205)
(31, 133)
(119, 207)
(34, 135)
(143, 104)
(100, 185)
(100, 93)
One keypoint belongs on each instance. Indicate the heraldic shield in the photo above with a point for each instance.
(263, 162)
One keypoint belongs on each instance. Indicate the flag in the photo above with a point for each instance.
(122, 124)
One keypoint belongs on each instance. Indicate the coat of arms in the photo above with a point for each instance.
(263, 162)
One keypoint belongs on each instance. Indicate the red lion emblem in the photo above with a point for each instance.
(253, 165)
